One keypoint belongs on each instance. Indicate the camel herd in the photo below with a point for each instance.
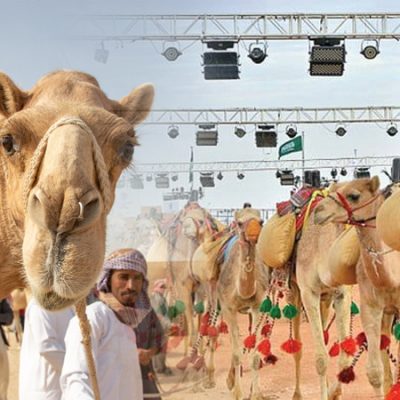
(64, 146)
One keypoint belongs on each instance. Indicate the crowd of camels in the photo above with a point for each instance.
(64, 144)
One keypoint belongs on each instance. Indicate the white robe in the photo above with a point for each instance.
(115, 354)
(42, 352)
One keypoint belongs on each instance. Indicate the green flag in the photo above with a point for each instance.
(291, 146)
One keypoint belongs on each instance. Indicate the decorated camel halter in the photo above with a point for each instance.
(351, 220)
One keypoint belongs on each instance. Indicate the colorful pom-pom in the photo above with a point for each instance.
(264, 347)
(354, 310)
(385, 343)
(223, 327)
(361, 339)
(334, 350)
(349, 346)
(394, 392)
(180, 307)
(347, 375)
(275, 312)
(199, 307)
(266, 330)
(212, 331)
(291, 346)
(266, 305)
(290, 311)
(326, 337)
(250, 342)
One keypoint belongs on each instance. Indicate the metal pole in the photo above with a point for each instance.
(302, 156)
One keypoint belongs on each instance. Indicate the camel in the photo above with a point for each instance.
(357, 202)
(241, 287)
(64, 144)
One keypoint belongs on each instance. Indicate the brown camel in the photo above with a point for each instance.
(241, 286)
(64, 145)
(357, 202)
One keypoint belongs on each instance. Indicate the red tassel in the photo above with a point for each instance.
(326, 337)
(250, 342)
(205, 318)
(361, 339)
(394, 393)
(335, 350)
(212, 331)
(270, 359)
(347, 375)
(291, 346)
(266, 330)
(264, 347)
(175, 330)
(203, 330)
(349, 346)
(385, 343)
(223, 327)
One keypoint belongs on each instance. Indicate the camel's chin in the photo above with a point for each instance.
(51, 301)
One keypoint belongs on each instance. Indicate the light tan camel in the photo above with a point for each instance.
(18, 303)
(241, 286)
(357, 202)
(64, 145)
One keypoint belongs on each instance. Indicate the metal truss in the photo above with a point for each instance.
(265, 165)
(299, 115)
(241, 27)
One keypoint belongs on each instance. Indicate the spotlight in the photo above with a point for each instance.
(257, 54)
(291, 131)
(370, 51)
(361, 172)
(327, 57)
(287, 177)
(174, 178)
(334, 173)
(221, 65)
(240, 175)
(239, 132)
(207, 135)
(173, 131)
(220, 176)
(101, 54)
(278, 174)
(340, 131)
(171, 53)
(207, 179)
(392, 130)
(343, 171)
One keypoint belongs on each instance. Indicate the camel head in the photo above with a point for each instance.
(350, 202)
(249, 224)
(64, 145)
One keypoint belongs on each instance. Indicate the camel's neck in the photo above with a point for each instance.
(246, 279)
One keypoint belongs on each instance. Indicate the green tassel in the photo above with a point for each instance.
(354, 310)
(180, 306)
(396, 331)
(266, 305)
(275, 312)
(172, 312)
(290, 311)
(163, 310)
(199, 307)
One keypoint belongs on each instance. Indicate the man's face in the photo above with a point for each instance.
(126, 286)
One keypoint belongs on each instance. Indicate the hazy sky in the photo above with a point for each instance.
(29, 49)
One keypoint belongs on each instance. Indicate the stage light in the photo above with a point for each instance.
(136, 182)
(257, 53)
(101, 54)
(343, 171)
(221, 65)
(327, 57)
(361, 172)
(370, 51)
(287, 177)
(291, 131)
(334, 173)
(239, 131)
(220, 176)
(340, 131)
(265, 137)
(392, 130)
(207, 135)
(173, 131)
(171, 53)
(240, 175)
(149, 178)
(207, 179)
(162, 181)
(174, 178)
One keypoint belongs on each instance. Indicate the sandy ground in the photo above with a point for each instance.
(277, 381)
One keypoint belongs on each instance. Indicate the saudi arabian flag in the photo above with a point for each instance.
(291, 146)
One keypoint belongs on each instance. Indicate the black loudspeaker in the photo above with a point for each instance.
(308, 177)
(396, 170)
(316, 178)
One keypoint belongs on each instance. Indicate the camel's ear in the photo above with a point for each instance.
(333, 187)
(12, 99)
(137, 105)
(374, 184)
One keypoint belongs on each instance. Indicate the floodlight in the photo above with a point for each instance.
(174, 178)
(327, 57)
(173, 131)
(361, 172)
(278, 174)
(395, 170)
(207, 137)
(239, 131)
(207, 179)
(257, 53)
(220, 176)
(136, 182)
(240, 175)
(162, 181)
(291, 131)
(221, 65)
(340, 131)
(287, 177)
(392, 130)
(265, 137)
(334, 173)
(370, 51)
(101, 54)
(343, 171)
(171, 53)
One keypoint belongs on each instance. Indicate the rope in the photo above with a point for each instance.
(80, 308)
(100, 166)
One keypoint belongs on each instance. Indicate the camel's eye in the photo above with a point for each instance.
(353, 197)
(127, 151)
(8, 144)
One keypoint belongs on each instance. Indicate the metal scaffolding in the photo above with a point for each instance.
(238, 27)
(295, 115)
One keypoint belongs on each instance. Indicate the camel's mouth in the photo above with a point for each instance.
(52, 301)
